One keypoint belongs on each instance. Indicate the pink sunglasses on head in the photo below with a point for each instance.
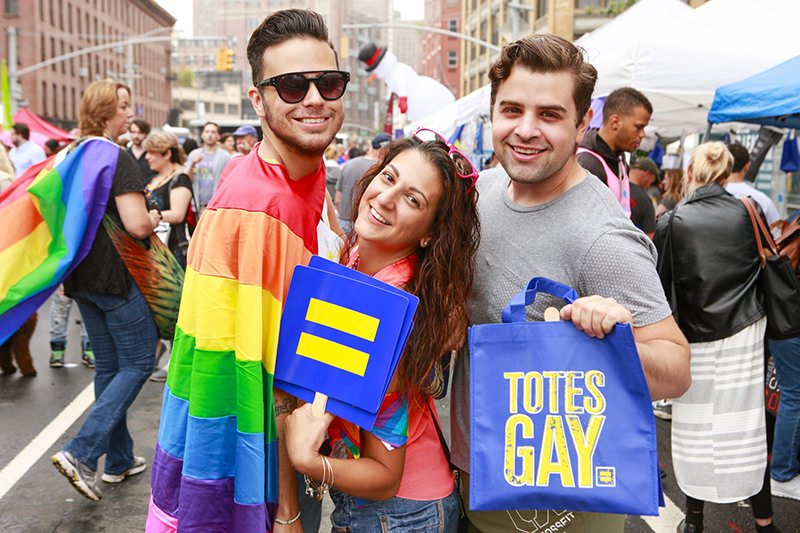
(464, 167)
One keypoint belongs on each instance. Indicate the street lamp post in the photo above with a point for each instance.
(130, 75)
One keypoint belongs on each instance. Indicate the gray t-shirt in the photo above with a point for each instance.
(582, 239)
(207, 173)
(351, 173)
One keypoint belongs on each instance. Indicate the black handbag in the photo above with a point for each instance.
(777, 281)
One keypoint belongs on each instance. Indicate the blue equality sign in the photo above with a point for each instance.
(342, 334)
(558, 419)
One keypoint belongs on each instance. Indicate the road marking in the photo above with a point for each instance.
(667, 519)
(25, 459)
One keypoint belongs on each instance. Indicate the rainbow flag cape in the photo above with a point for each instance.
(215, 466)
(49, 217)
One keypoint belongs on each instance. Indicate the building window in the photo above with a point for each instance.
(541, 7)
(219, 108)
(453, 25)
(12, 8)
(452, 59)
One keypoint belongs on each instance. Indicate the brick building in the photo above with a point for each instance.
(50, 28)
(440, 53)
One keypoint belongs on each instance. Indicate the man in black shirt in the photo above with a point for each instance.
(626, 113)
(139, 130)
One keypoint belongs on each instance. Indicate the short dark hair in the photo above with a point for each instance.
(280, 27)
(207, 123)
(142, 124)
(547, 53)
(52, 144)
(623, 101)
(740, 156)
(22, 129)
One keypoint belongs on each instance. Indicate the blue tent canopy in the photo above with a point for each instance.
(770, 98)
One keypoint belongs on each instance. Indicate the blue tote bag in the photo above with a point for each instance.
(558, 419)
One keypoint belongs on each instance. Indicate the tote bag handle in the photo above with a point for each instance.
(515, 310)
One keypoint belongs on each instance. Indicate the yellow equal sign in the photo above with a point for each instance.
(330, 352)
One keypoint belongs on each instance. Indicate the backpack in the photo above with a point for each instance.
(787, 238)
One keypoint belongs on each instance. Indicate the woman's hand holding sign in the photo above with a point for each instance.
(305, 432)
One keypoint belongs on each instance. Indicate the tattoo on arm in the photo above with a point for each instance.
(285, 407)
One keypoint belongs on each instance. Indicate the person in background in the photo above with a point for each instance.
(170, 189)
(626, 113)
(189, 145)
(25, 152)
(737, 186)
(352, 171)
(645, 173)
(117, 317)
(60, 308)
(709, 266)
(205, 165)
(673, 187)
(7, 172)
(139, 130)
(246, 138)
(228, 142)
(332, 170)
(51, 147)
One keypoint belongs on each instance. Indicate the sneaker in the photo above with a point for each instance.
(56, 358)
(663, 409)
(81, 476)
(88, 355)
(139, 466)
(159, 376)
(787, 489)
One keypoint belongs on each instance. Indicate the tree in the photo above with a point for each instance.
(186, 77)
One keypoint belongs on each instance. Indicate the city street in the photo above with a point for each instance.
(38, 415)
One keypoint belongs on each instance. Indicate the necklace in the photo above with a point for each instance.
(354, 266)
(157, 181)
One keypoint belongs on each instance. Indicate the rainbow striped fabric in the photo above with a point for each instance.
(215, 467)
(49, 217)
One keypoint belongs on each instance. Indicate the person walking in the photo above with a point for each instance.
(709, 266)
(120, 326)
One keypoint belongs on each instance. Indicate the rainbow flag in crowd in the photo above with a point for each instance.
(48, 220)
(215, 466)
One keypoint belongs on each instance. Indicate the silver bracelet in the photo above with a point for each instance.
(287, 522)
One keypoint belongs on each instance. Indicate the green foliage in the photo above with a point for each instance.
(612, 9)
(186, 77)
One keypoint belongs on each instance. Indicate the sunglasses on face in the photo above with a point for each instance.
(464, 167)
(293, 86)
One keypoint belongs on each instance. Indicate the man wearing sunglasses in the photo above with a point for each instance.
(541, 214)
(218, 466)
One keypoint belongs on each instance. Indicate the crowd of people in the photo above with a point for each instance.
(671, 253)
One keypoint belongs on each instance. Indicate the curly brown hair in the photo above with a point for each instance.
(444, 273)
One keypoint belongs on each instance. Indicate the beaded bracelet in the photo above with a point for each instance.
(287, 522)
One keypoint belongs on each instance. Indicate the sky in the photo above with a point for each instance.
(409, 10)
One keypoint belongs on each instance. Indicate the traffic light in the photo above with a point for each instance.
(225, 58)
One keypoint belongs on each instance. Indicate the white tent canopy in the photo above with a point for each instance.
(676, 55)
(679, 60)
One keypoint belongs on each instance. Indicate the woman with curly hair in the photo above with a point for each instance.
(417, 229)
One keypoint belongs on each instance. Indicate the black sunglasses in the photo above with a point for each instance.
(293, 86)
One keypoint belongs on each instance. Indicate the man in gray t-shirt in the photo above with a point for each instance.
(205, 165)
(543, 215)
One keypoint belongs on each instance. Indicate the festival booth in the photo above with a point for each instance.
(769, 98)
(680, 63)
(41, 130)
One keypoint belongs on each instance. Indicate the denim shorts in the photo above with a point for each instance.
(396, 515)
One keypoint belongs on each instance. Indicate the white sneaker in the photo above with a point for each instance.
(139, 466)
(787, 489)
